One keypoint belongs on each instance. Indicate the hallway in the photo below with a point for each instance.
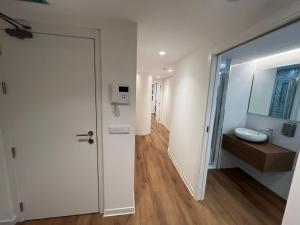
(232, 197)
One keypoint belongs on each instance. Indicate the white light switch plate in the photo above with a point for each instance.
(119, 129)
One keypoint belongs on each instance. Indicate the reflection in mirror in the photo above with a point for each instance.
(276, 93)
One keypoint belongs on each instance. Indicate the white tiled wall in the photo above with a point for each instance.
(236, 106)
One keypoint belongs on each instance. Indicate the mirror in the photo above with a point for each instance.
(276, 93)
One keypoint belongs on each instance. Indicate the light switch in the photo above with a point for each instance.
(119, 129)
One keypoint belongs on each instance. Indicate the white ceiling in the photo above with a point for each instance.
(176, 26)
(282, 40)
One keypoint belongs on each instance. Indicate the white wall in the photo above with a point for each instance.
(237, 96)
(292, 215)
(6, 209)
(277, 182)
(168, 84)
(118, 65)
(143, 103)
(236, 105)
(119, 47)
(189, 106)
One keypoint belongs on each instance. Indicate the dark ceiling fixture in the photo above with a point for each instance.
(37, 1)
(20, 31)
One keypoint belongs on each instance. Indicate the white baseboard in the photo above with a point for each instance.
(185, 181)
(119, 211)
(11, 221)
(142, 133)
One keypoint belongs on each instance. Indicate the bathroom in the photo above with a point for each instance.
(257, 87)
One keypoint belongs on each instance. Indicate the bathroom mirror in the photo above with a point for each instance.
(276, 93)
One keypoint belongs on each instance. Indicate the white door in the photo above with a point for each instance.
(51, 93)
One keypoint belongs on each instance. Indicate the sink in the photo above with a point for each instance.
(250, 135)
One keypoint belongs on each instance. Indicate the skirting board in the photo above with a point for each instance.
(142, 133)
(165, 126)
(12, 221)
(187, 184)
(118, 211)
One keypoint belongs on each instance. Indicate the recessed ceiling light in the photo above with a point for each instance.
(223, 65)
(162, 53)
(157, 77)
(170, 70)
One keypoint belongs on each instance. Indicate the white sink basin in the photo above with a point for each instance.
(250, 135)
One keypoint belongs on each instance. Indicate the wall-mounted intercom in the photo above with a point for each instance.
(120, 94)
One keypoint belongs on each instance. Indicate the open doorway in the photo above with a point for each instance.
(156, 100)
(254, 142)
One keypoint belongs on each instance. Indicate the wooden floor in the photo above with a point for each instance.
(232, 197)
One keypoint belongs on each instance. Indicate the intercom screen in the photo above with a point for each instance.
(123, 89)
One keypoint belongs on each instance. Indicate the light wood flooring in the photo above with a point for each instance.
(232, 197)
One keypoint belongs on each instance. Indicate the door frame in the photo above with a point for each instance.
(209, 123)
(75, 32)
(276, 22)
(219, 112)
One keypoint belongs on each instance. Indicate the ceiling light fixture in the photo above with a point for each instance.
(170, 70)
(157, 77)
(223, 66)
(37, 1)
(162, 53)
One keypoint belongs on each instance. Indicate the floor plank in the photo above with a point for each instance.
(232, 197)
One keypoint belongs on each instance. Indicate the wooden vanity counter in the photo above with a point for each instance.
(263, 156)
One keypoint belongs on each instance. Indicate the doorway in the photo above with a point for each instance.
(156, 100)
(50, 120)
(260, 96)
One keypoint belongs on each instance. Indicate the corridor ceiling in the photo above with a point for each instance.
(174, 26)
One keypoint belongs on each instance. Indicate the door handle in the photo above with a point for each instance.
(89, 134)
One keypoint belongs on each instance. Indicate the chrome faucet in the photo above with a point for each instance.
(268, 132)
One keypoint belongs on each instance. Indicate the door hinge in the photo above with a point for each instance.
(207, 129)
(13, 152)
(4, 88)
(21, 205)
